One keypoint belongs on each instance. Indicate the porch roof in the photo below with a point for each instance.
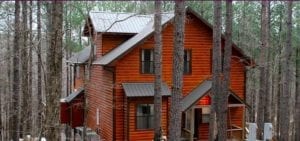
(73, 95)
(200, 91)
(81, 57)
(143, 89)
(196, 94)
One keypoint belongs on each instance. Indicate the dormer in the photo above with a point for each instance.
(108, 30)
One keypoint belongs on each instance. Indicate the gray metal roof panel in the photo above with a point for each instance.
(119, 22)
(129, 44)
(196, 94)
(143, 89)
(81, 57)
(73, 95)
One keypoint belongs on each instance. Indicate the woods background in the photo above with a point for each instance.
(51, 32)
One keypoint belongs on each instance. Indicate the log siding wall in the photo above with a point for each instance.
(106, 93)
(100, 96)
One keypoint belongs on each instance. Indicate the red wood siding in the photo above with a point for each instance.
(100, 95)
(198, 38)
(106, 42)
(203, 131)
(235, 116)
(119, 114)
(144, 135)
(105, 95)
(111, 41)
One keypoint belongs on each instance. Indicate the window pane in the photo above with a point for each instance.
(144, 116)
(187, 61)
(147, 65)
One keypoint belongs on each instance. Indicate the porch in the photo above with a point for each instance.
(196, 114)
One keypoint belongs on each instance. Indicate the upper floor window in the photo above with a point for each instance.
(187, 62)
(147, 61)
(144, 116)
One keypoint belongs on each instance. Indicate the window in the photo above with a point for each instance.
(144, 116)
(205, 114)
(147, 64)
(188, 119)
(77, 71)
(187, 62)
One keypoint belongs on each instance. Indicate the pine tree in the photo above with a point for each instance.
(175, 113)
(284, 118)
(54, 71)
(157, 72)
(14, 135)
(262, 69)
(216, 71)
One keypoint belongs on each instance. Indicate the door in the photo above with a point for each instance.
(198, 116)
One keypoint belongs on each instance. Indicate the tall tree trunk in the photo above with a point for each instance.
(30, 94)
(54, 71)
(8, 96)
(24, 63)
(68, 37)
(262, 69)
(16, 76)
(277, 90)
(226, 72)
(157, 72)
(268, 97)
(38, 102)
(297, 106)
(217, 69)
(284, 119)
(175, 119)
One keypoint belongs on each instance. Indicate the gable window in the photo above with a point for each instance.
(144, 116)
(147, 64)
(187, 62)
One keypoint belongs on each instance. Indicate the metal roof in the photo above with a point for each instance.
(119, 22)
(123, 22)
(200, 91)
(73, 95)
(143, 89)
(196, 94)
(129, 44)
(81, 57)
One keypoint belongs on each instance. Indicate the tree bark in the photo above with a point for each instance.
(7, 97)
(226, 72)
(217, 70)
(297, 106)
(276, 89)
(175, 113)
(24, 114)
(14, 135)
(262, 69)
(38, 114)
(284, 119)
(54, 71)
(268, 97)
(30, 65)
(157, 72)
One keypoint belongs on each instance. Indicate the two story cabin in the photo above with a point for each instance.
(119, 85)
